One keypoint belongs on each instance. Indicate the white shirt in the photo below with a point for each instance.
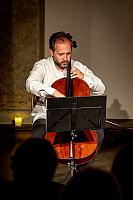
(45, 73)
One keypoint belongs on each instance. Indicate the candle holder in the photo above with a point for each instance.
(18, 121)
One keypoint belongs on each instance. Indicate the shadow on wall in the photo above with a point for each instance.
(116, 111)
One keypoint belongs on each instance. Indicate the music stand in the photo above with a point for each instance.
(75, 114)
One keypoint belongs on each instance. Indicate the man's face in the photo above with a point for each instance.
(62, 53)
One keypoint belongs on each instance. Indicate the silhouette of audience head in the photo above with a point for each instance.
(92, 183)
(34, 159)
(122, 168)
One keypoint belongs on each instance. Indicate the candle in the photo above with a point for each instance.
(18, 121)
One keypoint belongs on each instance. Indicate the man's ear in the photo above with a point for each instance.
(51, 52)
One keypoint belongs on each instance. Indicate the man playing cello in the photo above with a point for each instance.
(48, 70)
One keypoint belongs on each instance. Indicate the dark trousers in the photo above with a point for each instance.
(100, 137)
(39, 130)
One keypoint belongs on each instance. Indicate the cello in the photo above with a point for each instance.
(85, 143)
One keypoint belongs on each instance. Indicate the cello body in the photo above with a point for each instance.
(85, 142)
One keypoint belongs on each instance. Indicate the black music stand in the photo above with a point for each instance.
(75, 114)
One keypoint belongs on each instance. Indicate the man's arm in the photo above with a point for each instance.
(35, 85)
(95, 83)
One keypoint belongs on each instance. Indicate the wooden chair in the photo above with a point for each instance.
(34, 100)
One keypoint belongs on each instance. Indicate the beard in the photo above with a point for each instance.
(61, 65)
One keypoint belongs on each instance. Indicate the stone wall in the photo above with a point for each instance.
(19, 49)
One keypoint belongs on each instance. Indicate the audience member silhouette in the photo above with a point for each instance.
(91, 183)
(33, 165)
(122, 168)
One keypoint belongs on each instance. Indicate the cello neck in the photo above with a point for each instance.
(69, 91)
